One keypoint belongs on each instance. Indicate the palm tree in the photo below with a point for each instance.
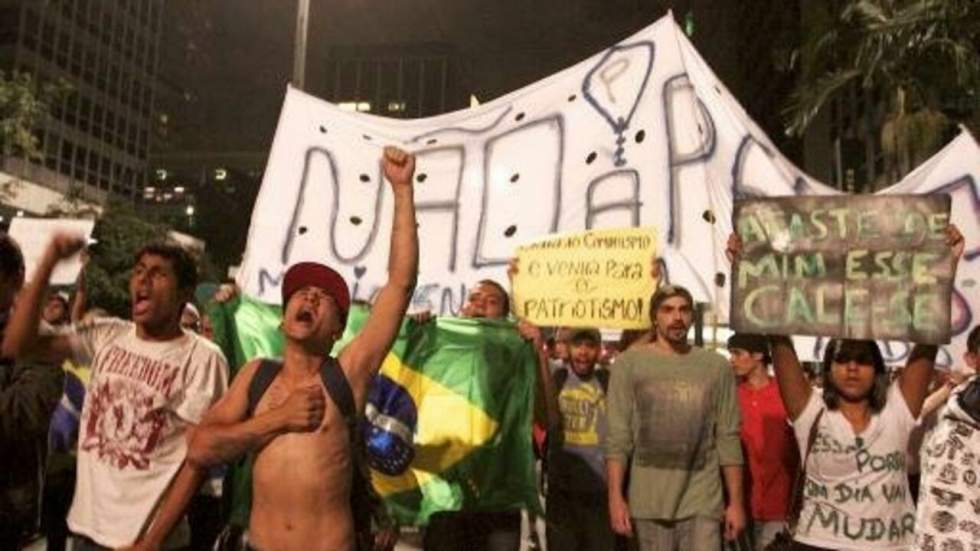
(917, 61)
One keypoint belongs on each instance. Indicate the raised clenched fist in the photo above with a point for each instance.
(64, 245)
(399, 166)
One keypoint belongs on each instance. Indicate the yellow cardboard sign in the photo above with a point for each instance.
(599, 278)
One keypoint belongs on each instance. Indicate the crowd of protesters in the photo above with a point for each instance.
(115, 432)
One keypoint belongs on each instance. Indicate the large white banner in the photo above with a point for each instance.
(641, 134)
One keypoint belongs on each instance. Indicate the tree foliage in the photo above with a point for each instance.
(24, 103)
(917, 62)
(120, 233)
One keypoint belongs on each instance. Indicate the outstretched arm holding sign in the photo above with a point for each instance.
(794, 388)
(362, 358)
(914, 380)
(545, 394)
(852, 365)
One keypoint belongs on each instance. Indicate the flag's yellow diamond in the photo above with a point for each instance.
(449, 428)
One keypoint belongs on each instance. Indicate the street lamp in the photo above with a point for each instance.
(189, 211)
(299, 47)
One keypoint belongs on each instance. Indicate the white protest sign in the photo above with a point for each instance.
(598, 278)
(640, 134)
(33, 236)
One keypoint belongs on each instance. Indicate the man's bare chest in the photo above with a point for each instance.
(330, 436)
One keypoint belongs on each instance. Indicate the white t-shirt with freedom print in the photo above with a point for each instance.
(142, 397)
(856, 493)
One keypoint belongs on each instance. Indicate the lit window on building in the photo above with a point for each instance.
(357, 106)
(220, 174)
(396, 106)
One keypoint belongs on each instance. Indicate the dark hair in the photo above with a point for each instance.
(184, 265)
(751, 343)
(11, 259)
(862, 348)
(503, 293)
(973, 340)
(666, 292)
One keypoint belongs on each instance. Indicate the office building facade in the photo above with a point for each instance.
(95, 144)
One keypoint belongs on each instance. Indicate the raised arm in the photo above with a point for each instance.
(914, 380)
(21, 339)
(80, 301)
(941, 395)
(545, 396)
(363, 356)
(793, 387)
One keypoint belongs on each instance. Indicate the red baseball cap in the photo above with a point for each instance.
(317, 275)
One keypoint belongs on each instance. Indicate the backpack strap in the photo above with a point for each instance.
(602, 375)
(366, 505)
(339, 389)
(796, 498)
(261, 379)
(560, 377)
(330, 373)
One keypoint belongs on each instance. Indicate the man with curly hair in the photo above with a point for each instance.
(152, 382)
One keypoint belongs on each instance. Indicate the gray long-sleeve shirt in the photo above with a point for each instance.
(677, 417)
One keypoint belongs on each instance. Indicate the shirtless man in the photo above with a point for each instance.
(302, 469)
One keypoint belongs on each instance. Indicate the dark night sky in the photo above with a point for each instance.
(234, 57)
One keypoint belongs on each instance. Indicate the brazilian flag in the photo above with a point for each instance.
(448, 419)
(245, 329)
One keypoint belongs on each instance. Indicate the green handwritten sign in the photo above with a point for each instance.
(861, 267)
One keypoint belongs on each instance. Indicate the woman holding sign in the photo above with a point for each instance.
(853, 437)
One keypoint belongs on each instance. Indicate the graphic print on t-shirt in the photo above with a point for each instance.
(579, 409)
(673, 422)
(949, 507)
(856, 490)
(126, 418)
